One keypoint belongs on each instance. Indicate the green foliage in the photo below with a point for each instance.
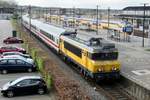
(33, 53)
(49, 81)
(39, 61)
(40, 64)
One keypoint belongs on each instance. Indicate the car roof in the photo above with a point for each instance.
(9, 47)
(12, 52)
(24, 78)
(13, 57)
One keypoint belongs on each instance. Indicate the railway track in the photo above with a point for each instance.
(110, 91)
(114, 91)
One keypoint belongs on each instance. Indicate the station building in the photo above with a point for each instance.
(135, 14)
(6, 12)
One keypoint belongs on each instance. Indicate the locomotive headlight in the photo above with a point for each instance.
(100, 69)
(114, 68)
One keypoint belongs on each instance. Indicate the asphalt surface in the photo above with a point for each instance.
(5, 31)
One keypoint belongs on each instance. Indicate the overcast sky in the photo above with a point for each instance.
(117, 4)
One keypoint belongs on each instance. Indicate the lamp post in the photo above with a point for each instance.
(21, 15)
(97, 20)
(30, 18)
(108, 21)
(143, 24)
(74, 21)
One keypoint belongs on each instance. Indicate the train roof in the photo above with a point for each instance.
(56, 31)
(91, 44)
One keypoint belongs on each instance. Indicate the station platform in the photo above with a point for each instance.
(135, 63)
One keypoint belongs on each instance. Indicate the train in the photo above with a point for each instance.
(91, 24)
(96, 58)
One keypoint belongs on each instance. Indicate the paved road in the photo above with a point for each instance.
(5, 31)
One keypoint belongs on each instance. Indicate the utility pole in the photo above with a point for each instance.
(60, 17)
(97, 20)
(50, 14)
(30, 18)
(108, 21)
(46, 14)
(74, 17)
(21, 15)
(143, 24)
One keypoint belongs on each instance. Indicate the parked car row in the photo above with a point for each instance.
(12, 59)
(15, 59)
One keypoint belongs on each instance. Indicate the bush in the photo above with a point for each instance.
(49, 81)
(33, 53)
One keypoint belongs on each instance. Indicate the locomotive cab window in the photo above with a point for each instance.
(104, 56)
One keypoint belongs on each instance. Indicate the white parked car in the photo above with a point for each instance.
(16, 53)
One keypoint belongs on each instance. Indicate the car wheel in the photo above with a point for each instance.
(4, 71)
(41, 91)
(10, 94)
(29, 70)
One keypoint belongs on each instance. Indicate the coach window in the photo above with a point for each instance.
(57, 41)
(53, 39)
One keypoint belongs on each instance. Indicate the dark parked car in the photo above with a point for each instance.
(24, 85)
(11, 49)
(15, 64)
(12, 40)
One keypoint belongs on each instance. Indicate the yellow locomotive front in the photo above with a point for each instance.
(96, 58)
(104, 64)
(101, 60)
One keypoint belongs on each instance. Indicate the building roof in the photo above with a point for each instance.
(137, 8)
(133, 16)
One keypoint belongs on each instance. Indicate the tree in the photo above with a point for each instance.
(8, 3)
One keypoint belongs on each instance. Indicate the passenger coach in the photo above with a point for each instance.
(48, 33)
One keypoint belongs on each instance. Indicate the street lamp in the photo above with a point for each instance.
(143, 24)
(108, 21)
(30, 18)
(97, 20)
